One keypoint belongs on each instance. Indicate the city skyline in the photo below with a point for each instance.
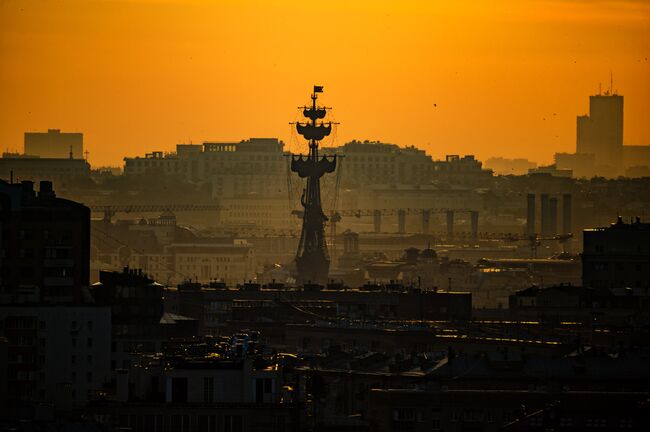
(512, 85)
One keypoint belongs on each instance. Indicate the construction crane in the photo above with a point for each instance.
(535, 240)
(110, 210)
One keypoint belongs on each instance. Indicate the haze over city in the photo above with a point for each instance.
(503, 78)
(334, 216)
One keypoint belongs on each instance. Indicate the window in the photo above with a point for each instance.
(566, 422)
(207, 423)
(596, 423)
(233, 423)
(208, 389)
(180, 423)
(179, 390)
(404, 414)
(279, 424)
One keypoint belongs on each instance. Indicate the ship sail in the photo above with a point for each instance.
(313, 131)
(307, 168)
(314, 113)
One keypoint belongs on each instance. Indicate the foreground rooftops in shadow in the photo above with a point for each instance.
(620, 225)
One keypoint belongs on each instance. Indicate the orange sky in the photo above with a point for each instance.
(142, 75)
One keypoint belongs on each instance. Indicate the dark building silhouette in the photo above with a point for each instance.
(617, 256)
(54, 144)
(45, 244)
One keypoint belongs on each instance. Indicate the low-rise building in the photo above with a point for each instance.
(61, 172)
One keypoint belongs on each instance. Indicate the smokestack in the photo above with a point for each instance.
(552, 215)
(46, 190)
(567, 221)
(450, 224)
(474, 219)
(546, 229)
(567, 215)
(426, 217)
(401, 221)
(530, 215)
(376, 215)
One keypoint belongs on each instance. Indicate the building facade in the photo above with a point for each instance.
(617, 256)
(56, 354)
(45, 244)
(54, 144)
(61, 172)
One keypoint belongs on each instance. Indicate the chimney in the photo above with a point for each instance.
(567, 214)
(46, 190)
(27, 190)
(530, 215)
(552, 216)
(545, 215)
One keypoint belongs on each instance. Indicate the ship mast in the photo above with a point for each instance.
(312, 258)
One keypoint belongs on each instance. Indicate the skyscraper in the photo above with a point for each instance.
(601, 132)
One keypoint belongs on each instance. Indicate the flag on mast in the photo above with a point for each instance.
(318, 89)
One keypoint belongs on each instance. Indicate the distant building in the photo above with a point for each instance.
(369, 163)
(581, 164)
(636, 156)
(601, 132)
(462, 171)
(617, 256)
(240, 162)
(54, 144)
(45, 245)
(552, 170)
(60, 171)
(504, 166)
(170, 254)
(599, 143)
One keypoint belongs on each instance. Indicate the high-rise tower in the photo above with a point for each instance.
(601, 132)
(312, 259)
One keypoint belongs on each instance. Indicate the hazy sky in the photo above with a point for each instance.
(491, 78)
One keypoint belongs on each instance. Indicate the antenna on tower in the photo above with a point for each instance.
(611, 83)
